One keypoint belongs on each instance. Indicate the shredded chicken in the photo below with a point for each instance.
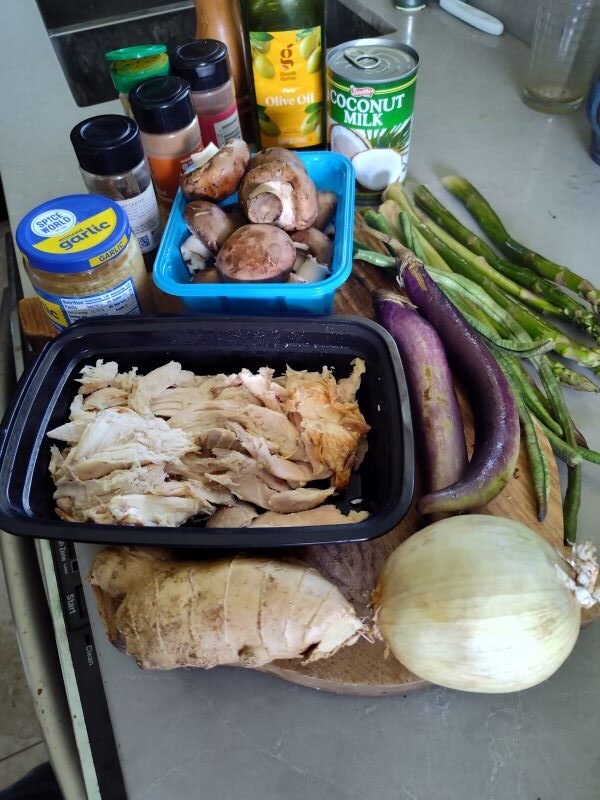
(171, 446)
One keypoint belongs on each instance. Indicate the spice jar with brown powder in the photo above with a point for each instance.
(170, 131)
(111, 158)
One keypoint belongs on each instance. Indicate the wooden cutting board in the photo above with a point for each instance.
(366, 668)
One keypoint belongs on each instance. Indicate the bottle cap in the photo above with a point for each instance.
(108, 144)
(73, 233)
(202, 62)
(132, 65)
(162, 105)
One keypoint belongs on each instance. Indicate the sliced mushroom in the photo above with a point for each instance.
(220, 176)
(256, 253)
(280, 193)
(327, 204)
(209, 223)
(318, 244)
(311, 271)
(195, 254)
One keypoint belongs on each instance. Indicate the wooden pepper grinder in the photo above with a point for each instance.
(223, 21)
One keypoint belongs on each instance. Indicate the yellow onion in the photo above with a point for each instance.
(480, 603)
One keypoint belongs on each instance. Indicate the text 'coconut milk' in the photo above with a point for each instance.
(370, 97)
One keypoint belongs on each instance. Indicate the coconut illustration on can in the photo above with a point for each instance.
(370, 99)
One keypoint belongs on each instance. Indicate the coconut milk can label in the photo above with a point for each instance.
(286, 66)
(371, 125)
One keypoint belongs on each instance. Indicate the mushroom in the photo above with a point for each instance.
(317, 243)
(220, 175)
(281, 193)
(258, 254)
(327, 204)
(276, 154)
(209, 223)
(210, 227)
(195, 254)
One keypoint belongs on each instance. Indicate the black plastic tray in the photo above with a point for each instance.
(384, 481)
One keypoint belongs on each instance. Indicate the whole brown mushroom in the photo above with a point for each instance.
(276, 154)
(220, 176)
(280, 193)
(258, 254)
(209, 223)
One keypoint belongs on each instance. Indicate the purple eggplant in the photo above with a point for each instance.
(435, 409)
(495, 415)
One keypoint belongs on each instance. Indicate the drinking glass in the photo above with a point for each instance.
(564, 52)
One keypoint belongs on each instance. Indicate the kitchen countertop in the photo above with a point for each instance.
(232, 733)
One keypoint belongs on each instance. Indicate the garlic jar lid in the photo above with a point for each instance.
(73, 233)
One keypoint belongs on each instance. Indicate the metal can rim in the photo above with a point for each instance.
(393, 44)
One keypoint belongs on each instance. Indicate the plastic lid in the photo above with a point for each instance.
(108, 144)
(132, 65)
(162, 105)
(73, 233)
(136, 51)
(202, 62)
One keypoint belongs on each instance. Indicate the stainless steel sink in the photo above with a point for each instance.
(82, 32)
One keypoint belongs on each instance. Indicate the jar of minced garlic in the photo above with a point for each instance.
(83, 260)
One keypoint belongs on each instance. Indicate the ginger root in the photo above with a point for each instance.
(241, 611)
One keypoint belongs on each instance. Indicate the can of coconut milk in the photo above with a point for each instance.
(370, 97)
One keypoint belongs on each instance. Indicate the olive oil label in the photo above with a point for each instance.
(287, 70)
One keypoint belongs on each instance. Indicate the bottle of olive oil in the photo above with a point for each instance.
(285, 42)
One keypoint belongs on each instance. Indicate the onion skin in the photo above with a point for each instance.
(432, 397)
(496, 419)
(475, 603)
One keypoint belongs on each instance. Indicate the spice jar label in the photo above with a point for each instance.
(144, 218)
(222, 127)
(65, 310)
(87, 234)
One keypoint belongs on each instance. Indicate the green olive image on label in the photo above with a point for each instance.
(314, 62)
(307, 45)
(311, 122)
(262, 47)
(263, 66)
(268, 127)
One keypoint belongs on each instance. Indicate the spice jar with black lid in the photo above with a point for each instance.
(204, 64)
(170, 132)
(112, 162)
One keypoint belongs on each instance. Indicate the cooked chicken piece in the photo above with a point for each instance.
(108, 397)
(324, 515)
(348, 387)
(56, 463)
(299, 500)
(264, 387)
(143, 509)
(331, 430)
(84, 494)
(175, 400)
(291, 471)
(217, 437)
(97, 377)
(239, 515)
(207, 493)
(80, 419)
(153, 384)
(118, 439)
(272, 427)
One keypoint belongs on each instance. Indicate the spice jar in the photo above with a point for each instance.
(130, 66)
(204, 64)
(112, 162)
(83, 260)
(163, 109)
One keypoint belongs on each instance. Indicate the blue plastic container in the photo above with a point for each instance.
(330, 172)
